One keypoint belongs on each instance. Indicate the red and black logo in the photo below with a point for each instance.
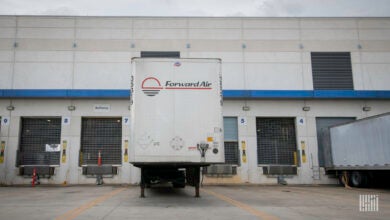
(151, 86)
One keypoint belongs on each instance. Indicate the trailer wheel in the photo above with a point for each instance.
(143, 183)
(358, 179)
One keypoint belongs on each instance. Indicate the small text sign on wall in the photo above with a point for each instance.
(242, 121)
(300, 120)
(101, 108)
(5, 121)
(126, 121)
(65, 120)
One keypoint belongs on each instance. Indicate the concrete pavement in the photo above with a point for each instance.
(216, 202)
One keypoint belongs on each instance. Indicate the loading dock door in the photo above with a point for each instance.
(232, 154)
(39, 142)
(276, 141)
(323, 136)
(104, 135)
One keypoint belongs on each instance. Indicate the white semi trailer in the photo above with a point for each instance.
(176, 119)
(359, 151)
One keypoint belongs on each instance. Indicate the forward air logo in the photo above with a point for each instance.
(151, 86)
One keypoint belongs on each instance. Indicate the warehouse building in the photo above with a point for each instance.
(65, 88)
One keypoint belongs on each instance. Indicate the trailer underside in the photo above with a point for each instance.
(178, 174)
(355, 177)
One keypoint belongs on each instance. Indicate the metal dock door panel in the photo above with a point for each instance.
(276, 141)
(104, 135)
(38, 136)
(232, 154)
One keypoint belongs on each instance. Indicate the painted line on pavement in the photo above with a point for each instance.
(77, 211)
(243, 206)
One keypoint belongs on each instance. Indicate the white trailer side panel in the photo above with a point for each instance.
(362, 143)
(176, 104)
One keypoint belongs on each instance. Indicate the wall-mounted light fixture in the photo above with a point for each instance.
(359, 46)
(132, 45)
(10, 108)
(246, 108)
(71, 107)
(366, 108)
(74, 45)
(16, 44)
(301, 46)
(188, 45)
(243, 46)
(306, 108)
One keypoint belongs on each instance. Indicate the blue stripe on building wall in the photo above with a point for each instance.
(228, 94)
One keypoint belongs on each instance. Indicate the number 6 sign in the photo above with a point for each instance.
(5, 121)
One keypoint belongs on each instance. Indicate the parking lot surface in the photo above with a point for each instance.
(216, 202)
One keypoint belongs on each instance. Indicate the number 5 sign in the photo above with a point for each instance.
(242, 121)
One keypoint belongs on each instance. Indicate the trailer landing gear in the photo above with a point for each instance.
(193, 178)
(197, 181)
(143, 184)
(197, 191)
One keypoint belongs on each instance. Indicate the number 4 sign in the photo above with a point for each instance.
(301, 121)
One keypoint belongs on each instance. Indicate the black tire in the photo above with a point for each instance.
(358, 179)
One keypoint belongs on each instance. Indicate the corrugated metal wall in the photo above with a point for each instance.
(332, 70)
(323, 136)
(170, 54)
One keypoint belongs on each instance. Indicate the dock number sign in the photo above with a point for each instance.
(5, 121)
(65, 120)
(301, 121)
(126, 120)
(242, 121)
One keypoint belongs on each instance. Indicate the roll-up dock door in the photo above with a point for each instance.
(276, 145)
(101, 136)
(39, 146)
